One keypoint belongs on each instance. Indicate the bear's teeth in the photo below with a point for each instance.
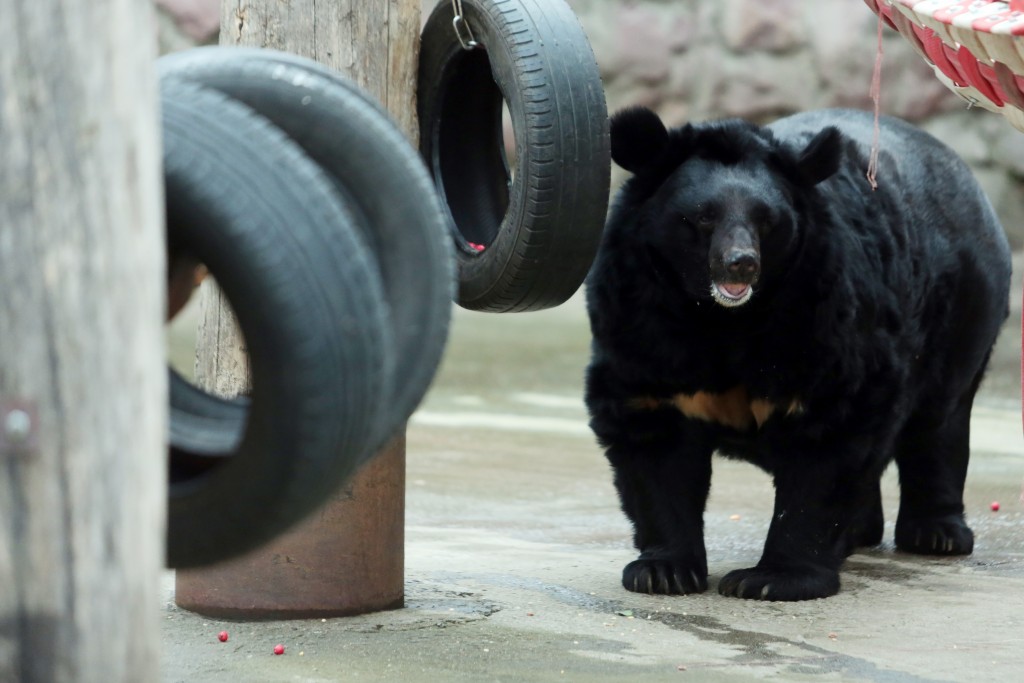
(731, 294)
(735, 290)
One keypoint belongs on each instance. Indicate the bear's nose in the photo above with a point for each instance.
(741, 263)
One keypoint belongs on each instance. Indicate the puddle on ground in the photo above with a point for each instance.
(753, 648)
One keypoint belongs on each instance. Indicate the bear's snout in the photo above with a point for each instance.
(735, 264)
(742, 265)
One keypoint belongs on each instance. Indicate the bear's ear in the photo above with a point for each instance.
(821, 157)
(638, 138)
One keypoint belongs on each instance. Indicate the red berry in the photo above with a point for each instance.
(995, 506)
(279, 649)
(222, 636)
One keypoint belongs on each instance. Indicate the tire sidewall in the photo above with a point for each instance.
(476, 269)
(542, 65)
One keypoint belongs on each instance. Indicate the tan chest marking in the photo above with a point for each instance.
(733, 408)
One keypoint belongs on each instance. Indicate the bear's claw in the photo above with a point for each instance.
(780, 584)
(947, 535)
(664, 576)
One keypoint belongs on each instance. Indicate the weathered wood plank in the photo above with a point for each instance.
(373, 42)
(222, 361)
(81, 343)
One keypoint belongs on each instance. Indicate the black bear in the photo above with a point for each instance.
(754, 296)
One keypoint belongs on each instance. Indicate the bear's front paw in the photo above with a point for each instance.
(798, 583)
(948, 535)
(665, 575)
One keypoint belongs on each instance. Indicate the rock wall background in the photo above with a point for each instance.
(757, 59)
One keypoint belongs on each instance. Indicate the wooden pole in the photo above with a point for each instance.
(349, 557)
(373, 42)
(83, 395)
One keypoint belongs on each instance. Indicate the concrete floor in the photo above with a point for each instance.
(515, 545)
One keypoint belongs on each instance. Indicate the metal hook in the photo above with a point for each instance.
(468, 42)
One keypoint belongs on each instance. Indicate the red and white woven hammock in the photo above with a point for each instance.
(976, 47)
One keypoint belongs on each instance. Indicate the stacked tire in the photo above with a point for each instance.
(322, 228)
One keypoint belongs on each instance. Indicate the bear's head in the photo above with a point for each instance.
(718, 207)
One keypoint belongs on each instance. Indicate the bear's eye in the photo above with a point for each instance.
(763, 220)
(705, 218)
(699, 216)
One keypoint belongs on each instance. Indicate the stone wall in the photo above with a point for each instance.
(758, 59)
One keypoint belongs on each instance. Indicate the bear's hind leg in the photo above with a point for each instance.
(869, 528)
(932, 457)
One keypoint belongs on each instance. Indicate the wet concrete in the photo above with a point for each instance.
(514, 547)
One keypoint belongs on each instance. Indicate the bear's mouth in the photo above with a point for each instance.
(731, 294)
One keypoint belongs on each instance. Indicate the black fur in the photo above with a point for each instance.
(869, 325)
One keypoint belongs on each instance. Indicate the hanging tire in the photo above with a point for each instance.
(245, 201)
(539, 228)
(380, 174)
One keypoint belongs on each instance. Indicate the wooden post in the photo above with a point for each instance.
(83, 395)
(349, 557)
(373, 42)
